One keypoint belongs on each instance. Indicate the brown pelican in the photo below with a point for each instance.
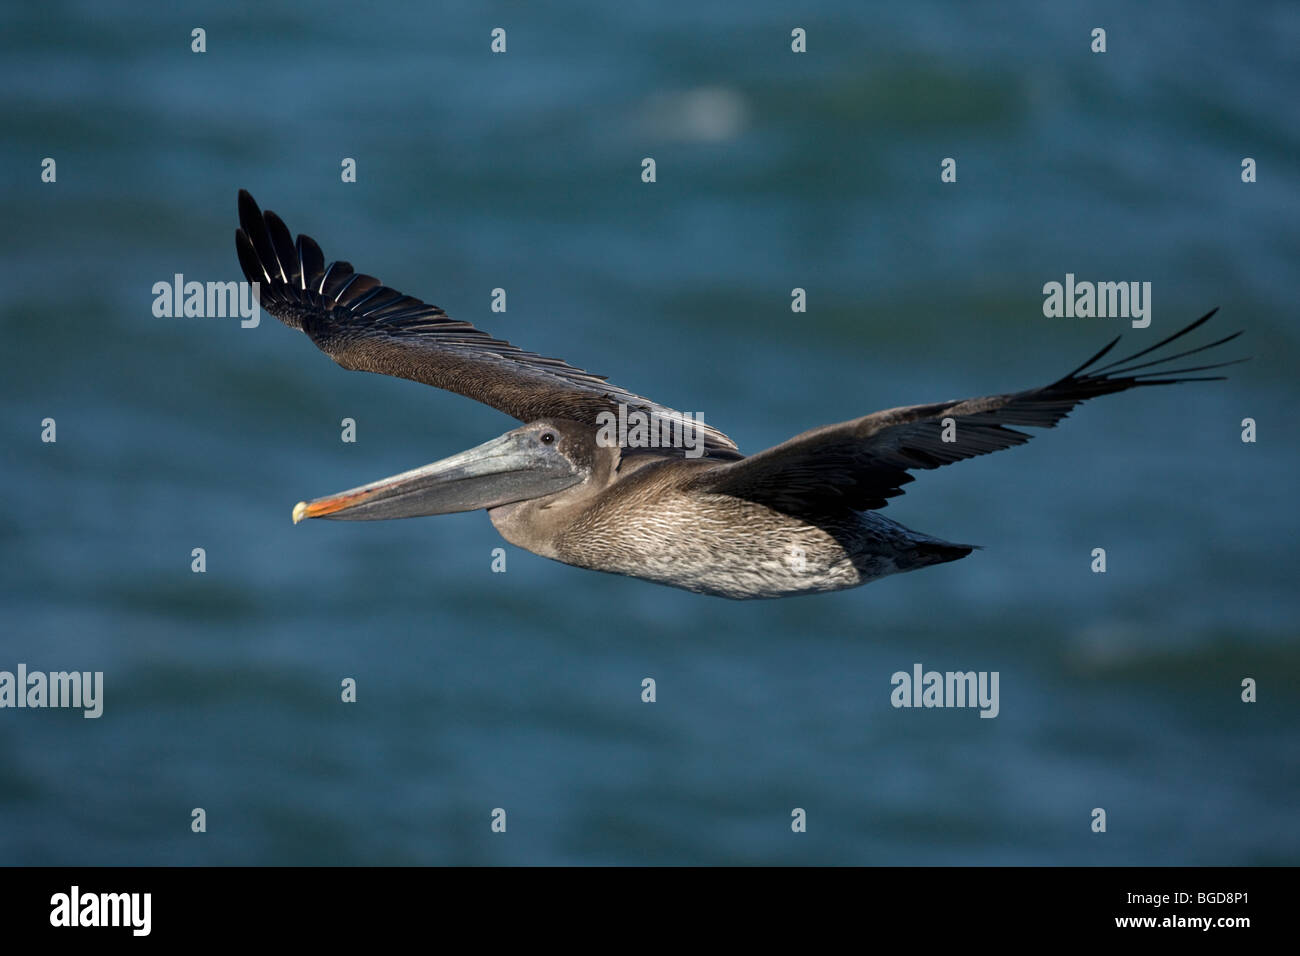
(798, 518)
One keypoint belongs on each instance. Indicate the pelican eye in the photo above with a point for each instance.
(548, 438)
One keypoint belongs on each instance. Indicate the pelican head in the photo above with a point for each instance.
(533, 461)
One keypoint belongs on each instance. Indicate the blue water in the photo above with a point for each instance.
(522, 690)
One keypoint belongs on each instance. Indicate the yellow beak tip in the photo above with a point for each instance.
(299, 511)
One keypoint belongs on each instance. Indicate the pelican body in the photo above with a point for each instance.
(799, 518)
(656, 519)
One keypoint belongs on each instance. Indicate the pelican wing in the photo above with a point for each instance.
(366, 326)
(862, 463)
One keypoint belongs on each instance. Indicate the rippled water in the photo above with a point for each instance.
(522, 690)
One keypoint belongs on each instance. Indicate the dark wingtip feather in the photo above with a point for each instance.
(1179, 381)
(250, 216)
(1165, 341)
(1113, 343)
(1129, 369)
(282, 242)
(254, 226)
(248, 260)
(312, 262)
(1194, 368)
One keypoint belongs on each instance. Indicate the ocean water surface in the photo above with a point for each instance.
(478, 690)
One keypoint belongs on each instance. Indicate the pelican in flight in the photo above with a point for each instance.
(798, 518)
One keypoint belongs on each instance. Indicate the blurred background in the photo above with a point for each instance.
(522, 690)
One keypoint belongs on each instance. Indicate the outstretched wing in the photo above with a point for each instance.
(364, 325)
(862, 463)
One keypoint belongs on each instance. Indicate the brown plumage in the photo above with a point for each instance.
(800, 517)
(366, 326)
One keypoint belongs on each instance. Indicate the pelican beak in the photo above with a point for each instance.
(514, 467)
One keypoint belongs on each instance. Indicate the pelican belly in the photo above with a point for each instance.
(730, 547)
